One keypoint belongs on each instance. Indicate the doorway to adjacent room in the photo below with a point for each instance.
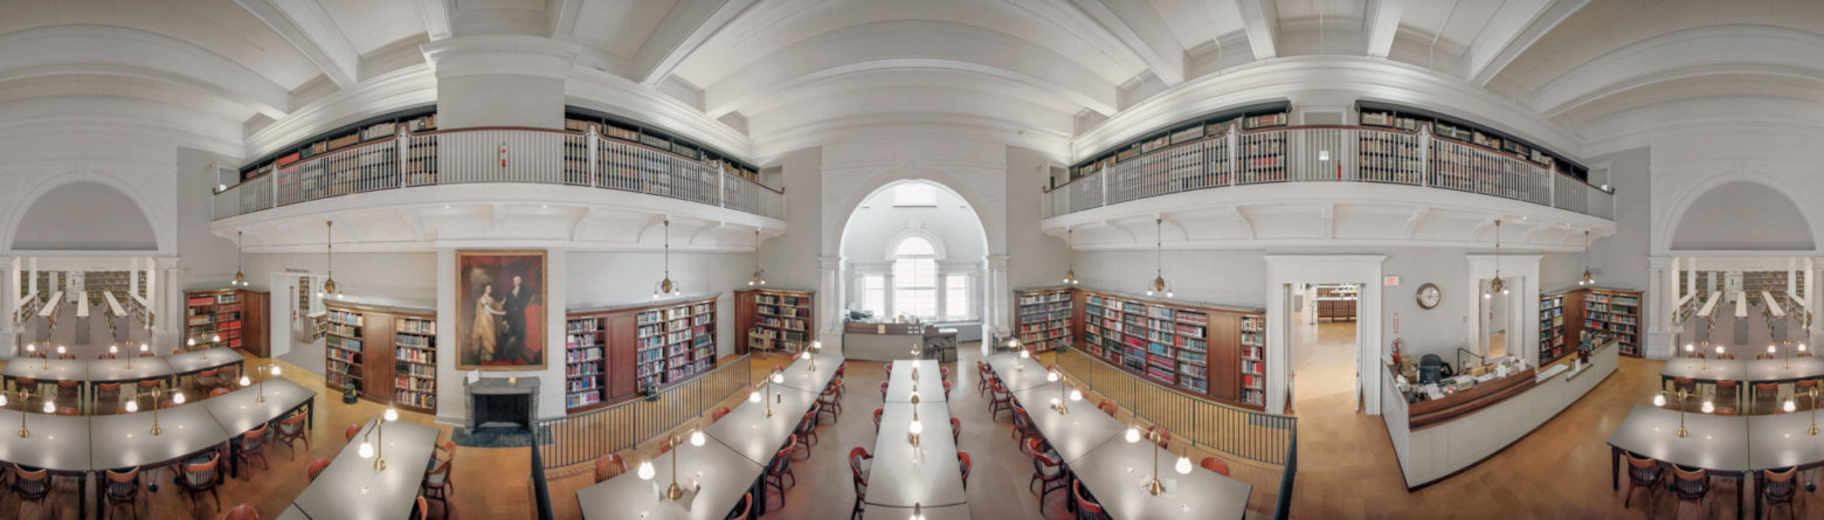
(1323, 340)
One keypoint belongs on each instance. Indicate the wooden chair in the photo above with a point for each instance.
(999, 399)
(1727, 412)
(106, 355)
(1684, 383)
(883, 390)
(956, 431)
(218, 392)
(147, 354)
(981, 377)
(963, 461)
(1779, 490)
(242, 512)
(943, 372)
(146, 387)
(877, 412)
(350, 433)
(1768, 393)
(829, 402)
(743, 508)
(609, 466)
(1727, 387)
(316, 467)
(122, 487)
(1643, 473)
(31, 485)
(1725, 356)
(69, 391)
(437, 485)
(666, 444)
(108, 394)
(780, 468)
(67, 355)
(859, 477)
(421, 509)
(887, 368)
(1087, 508)
(291, 431)
(1022, 423)
(26, 383)
(198, 478)
(1691, 485)
(1764, 355)
(1108, 406)
(1216, 465)
(806, 434)
(207, 379)
(253, 445)
(67, 412)
(718, 413)
(1165, 435)
(1047, 472)
(946, 390)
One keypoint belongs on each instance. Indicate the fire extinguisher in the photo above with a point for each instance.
(503, 154)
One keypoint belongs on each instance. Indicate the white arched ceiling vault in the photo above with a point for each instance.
(84, 216)
(1743, 215)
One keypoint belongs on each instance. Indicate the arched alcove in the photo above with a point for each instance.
(1742, 216)
(945, 223)
(84, 216)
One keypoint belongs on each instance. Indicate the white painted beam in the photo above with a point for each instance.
(1380, 22)
(563, 17)
(436, 15)
(1261, 18)
(684, 29)
(1511, 31)
(308, 27)
(1140, 28)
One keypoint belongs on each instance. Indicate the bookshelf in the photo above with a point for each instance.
(579, 119)
(117, 282)
(1552, 328)
(1184, 164)
(1043, 318)
(585, 355)
(237, 315)
(1413, 120)
(611, 353)
(343, 348)
(369, 165)
(1616, 313)
(1207, 351)
(415, 362)
(780, 320)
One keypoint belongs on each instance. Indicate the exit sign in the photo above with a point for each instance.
(1392, 280)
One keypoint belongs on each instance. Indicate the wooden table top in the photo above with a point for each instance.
(930, 381)
(1016, 373)
(747, 430)
(928, 474)
(201, 360)
(1714, 442)
(350, 488)
(47, 370)
(722, 477)
(240, 410)
(1074, 433)
(126, 440)
(57, 442)
(1117, 471)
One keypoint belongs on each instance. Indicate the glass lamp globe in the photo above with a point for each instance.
(1076, 395)
(113, 349)
(1770, 349)
(645, 471)
(1790, 406)
(804, 355)
(1132, 435)
(246, 381)
(60, 350)
(1801, 347)
(778, 377)
(3, 399)
(143, 347)
(1719, 350)
(753, 396)
(916, 427)
(366, 451)
(1708, 406)
(50, 407)
(391, 414)
(1659, 400)
(1051, 377)
(177, 397)
(132, 406)
(191, 342)
(275, 370)
(696, 438)
(1025, 354)
(1690, 348)
(1183, 466)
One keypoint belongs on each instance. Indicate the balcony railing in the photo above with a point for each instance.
(484, 155)
(1329, 154)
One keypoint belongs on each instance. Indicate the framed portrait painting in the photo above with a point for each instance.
(500, 310)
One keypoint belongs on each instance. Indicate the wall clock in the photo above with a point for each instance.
(1430, 296)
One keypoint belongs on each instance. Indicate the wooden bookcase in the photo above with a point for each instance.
(1586, 312)
(1207, 351)
(239, 316)
(117, 282)
(648, 345)
(388, 353)
(1043, 317)
(780, 320)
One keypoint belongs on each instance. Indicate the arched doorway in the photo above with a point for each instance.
(915, 249)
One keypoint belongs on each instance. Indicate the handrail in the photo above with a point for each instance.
(1236, 431)
(583, 437)
(499, 154)
(1311, 153)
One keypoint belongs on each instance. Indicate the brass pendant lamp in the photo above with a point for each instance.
(666, 286)
(1159, 286)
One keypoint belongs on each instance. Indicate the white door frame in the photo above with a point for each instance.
(1522, 275)
(1291, 269)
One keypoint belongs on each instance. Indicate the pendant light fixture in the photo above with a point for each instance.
(1070, 272)
(1159, 286)
(240, 278)
(758, 278)
(329, 252)
(1496, 286)
(666, 286)
(1587, 279)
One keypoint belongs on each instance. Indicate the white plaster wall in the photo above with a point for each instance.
(791, 259)
(1033, 258)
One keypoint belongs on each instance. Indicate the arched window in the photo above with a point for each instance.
(915, 278)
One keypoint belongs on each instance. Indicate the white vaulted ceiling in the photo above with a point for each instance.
(780, 71)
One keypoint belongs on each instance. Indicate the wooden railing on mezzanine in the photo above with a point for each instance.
(1256, 436)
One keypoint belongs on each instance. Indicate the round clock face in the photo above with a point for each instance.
(1429, 296)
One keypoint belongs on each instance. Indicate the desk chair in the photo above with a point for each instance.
(1216, 465)
(31, 485)
(122, 487)
(1780, 489)
(1047, 472)
(291, 431)
(779, 468)
(200, 477)
(316, 468)
(1643, 473)
(1087, 508)
(1691, 485)
(609, 466)
(743, 508)
(859, 477)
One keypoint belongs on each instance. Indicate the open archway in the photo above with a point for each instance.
(915, 248)
(84, 216)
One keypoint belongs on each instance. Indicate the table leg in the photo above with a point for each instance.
(82, 500)
(1615, 468)
(234, 459)
(310, 418)
(1743, 492)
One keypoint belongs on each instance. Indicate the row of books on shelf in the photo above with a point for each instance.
(1610, 307)
(583, 325)
(415, 326)
(582, 340)
(418, 370)
(583, 370)
(789, 301)
(1625, 319)
(1627, 301)
(782, 323)
(415, 400)
(1053, 297)
(1043, 326)
(414, 341)
(342, 330)
(585, 384)
(579, 400)
(345, 356)
(1609, 327)
(414, 384)
(342, 379)
(775, 310)
(415, 355)
(583, 355)
(343, 317)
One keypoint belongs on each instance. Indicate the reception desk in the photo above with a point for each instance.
(1435, 439)
(890, 341)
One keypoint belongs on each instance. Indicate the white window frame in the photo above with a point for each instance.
(914, 195)
(949, 304)
(881, 309)
(904, 287)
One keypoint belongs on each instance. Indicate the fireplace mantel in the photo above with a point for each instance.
(492, 391)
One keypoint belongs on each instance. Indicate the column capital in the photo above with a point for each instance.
(998, 262)
(495, 54)
(829, 263)
(1660, 262)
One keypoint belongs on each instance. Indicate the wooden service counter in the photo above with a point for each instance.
(890, 341)
(1437, 438)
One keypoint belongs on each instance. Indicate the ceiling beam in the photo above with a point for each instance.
(1140, 28)
(1380, 21)
(1261, 18)
(563, 17)
(308, 27)
(1513, 29)
(684, 29)
(436, 15)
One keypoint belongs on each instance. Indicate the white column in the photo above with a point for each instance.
(8, 339)
(1691, 274)
(1000, 294)
(1792, 275)
(1676, 261)
(1657, 301)
(132, 277)
(834, 301)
